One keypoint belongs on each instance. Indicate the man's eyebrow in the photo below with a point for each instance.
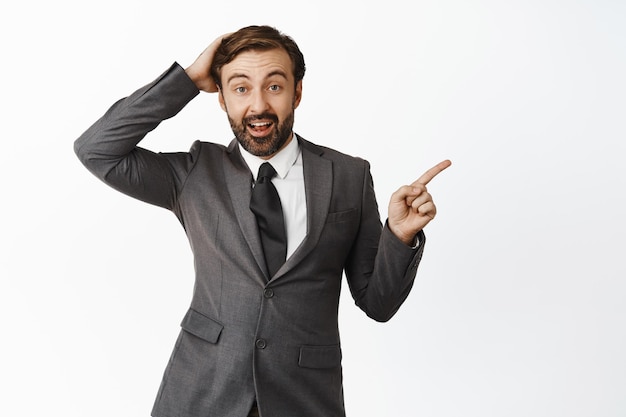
(277, 72)
(232, 77)
(280, 73)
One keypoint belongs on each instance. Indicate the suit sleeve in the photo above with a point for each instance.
(109, 147)
(381, 269)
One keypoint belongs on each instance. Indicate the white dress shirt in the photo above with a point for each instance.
(289, 182)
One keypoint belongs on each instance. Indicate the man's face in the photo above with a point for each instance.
(259, 96)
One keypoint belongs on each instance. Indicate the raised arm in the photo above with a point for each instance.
(109, 147)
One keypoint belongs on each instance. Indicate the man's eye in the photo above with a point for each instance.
(274, 87)
(240, 90)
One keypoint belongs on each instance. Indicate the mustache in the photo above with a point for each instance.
(262, 116)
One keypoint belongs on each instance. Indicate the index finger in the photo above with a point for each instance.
(433, 172)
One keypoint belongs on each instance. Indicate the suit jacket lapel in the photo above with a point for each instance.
(239, 183)
(318, 180)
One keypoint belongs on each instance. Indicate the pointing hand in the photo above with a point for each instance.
(411, 207)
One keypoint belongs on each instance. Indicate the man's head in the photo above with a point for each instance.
(259, 74)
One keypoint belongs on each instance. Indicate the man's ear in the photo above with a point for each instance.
(220, 97)
(297, 95)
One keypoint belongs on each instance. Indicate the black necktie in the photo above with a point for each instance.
(265, 204)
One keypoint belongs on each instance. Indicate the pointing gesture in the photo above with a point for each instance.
(411, 207)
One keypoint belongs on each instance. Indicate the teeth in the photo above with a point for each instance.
(260, 124)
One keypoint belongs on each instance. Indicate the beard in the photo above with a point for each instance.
(266, 145)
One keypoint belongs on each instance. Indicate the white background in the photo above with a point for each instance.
(518, 308)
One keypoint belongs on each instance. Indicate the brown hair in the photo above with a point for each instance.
(261, 38)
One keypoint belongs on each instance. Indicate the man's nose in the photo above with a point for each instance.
(258, 102)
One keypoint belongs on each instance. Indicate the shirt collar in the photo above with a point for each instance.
(282, 161)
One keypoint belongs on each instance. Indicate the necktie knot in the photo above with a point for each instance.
(266, 170)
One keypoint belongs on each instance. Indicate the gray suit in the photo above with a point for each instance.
(247, 335)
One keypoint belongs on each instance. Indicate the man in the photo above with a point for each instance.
(261, 335)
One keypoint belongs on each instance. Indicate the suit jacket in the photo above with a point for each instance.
(247, 335)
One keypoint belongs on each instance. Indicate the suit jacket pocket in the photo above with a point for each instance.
(341, 216)
(201, 326)
(320, 357)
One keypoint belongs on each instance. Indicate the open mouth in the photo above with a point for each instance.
(260, 128)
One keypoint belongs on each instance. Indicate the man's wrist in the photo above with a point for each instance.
(412, 240)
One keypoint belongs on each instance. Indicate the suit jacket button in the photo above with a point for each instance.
(268, 293)
(261, 343)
